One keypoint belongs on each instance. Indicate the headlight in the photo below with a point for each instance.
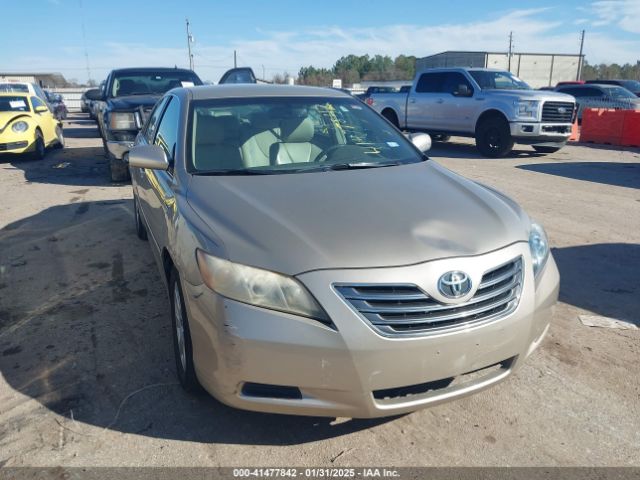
(527, 108)
(258, 287)
(539, 246)
(122, 121)
(20, 127)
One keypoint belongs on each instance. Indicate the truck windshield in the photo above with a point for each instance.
(290, 135)
(489, 80)
(13, 104)
(150, 83)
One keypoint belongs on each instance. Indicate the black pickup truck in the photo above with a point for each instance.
(125, 102)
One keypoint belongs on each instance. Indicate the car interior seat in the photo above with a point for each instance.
(217, 143)
(295, 146)
(265, 132)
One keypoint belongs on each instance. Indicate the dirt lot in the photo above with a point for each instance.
(86, 360)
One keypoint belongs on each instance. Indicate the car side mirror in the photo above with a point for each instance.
(41, 109)
(148, 156)
(463, 91)
(94, 95)
(421, 141)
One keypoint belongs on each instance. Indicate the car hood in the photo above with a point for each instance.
(377, 217)
(8, 117)
(131, 102)
(544, 95)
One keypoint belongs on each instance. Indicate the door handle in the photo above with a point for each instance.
(440, 100)
(412, 100)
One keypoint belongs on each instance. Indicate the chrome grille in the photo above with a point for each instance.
(403, 309)
(551, 114)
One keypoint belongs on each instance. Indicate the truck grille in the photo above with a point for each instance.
(404, 309)
(557, 112)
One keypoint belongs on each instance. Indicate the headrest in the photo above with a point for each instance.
(296, 130)
(260, 121)
(214, 130)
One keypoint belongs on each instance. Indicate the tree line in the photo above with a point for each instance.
(354, 69)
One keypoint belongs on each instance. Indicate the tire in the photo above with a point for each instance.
(119, 170)
(182, 337)
(60, 135)
(546, 149)
(141, 230)
(441, 138)
(40, 148)
(392, 117)
(493, 138)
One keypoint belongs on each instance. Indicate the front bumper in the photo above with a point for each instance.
(16, 146)
(533, 133)
(352, 371)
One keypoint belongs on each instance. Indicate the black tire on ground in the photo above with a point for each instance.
(60, 135)
(493, 137)
(40, 148)
(440, 138)
(182, 337)
(119, 170)
(141, 230)
(541, 149)
(392, 117)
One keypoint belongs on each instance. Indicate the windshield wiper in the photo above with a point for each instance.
(350, 166)
(237, 171)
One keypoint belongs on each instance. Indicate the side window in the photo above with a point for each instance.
(154, 119)
(167, 135)
(592, 92)
(430, 83)
(452, 82)
(39, 92)
(36, 102)
(576, 92)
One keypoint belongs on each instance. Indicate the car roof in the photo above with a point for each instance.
(260, 90)
(14, 94)
(151, 70)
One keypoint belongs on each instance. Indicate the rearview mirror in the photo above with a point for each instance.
(422, 141)
(148, 156)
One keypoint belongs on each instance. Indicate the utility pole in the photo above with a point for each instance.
(263, 77)
(235, 59)
(510, 49)
(579, 74)
(189, 42)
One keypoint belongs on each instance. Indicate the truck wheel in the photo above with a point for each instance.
(493, 138)
(119, 170)
(546, 149)
(392, 117)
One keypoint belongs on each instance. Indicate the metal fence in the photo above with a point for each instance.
(71, 97)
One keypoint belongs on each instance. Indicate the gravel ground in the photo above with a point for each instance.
(86, 360)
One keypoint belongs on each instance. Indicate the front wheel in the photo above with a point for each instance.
(493, 138)
(119, 170)
(182, 337)
(541, 149)
(60, 137)
(40, 149)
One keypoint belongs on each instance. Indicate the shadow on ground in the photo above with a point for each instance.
(609, 173)
(84, 322)
(452, 149)
(603, 278)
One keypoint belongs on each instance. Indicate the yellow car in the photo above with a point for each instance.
(27, 126)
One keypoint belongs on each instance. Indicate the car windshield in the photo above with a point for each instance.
(149, 83)
(489, 80)
(13, 104)
(292, 134)
(14, 87)
(618, 92)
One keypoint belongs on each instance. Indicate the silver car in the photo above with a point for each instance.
(318, 263)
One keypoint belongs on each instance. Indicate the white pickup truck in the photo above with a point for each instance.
(495, 107)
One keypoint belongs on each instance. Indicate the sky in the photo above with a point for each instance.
(277, 36)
